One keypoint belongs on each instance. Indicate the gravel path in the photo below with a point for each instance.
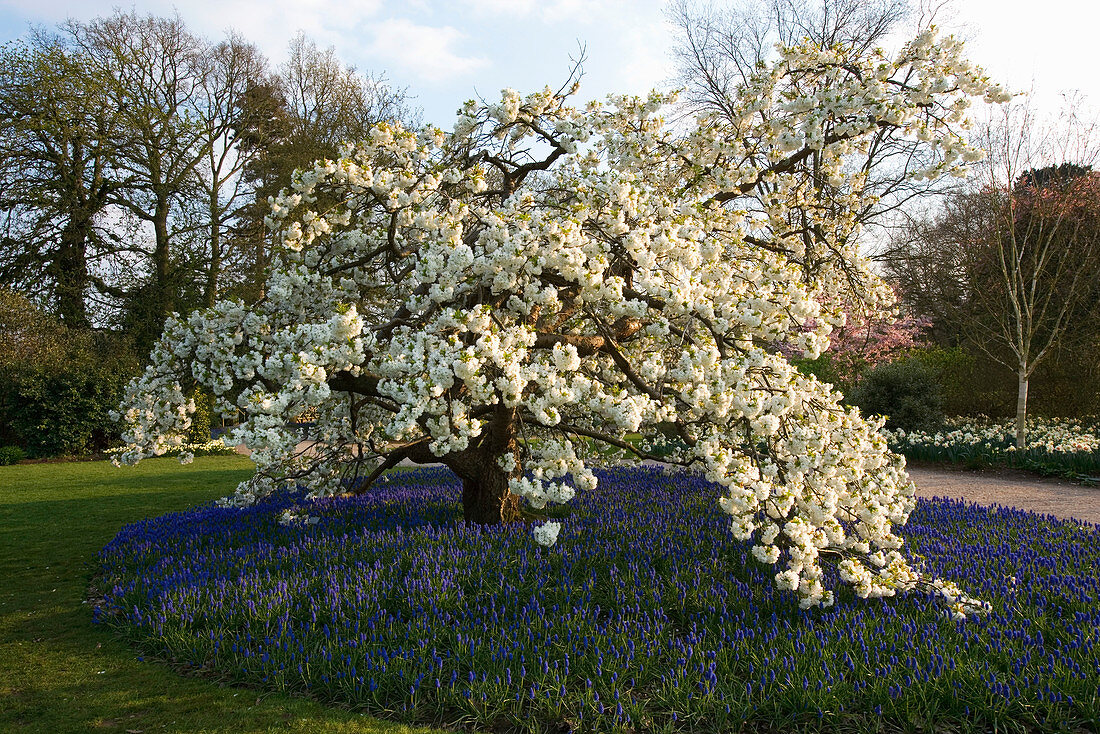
(1011, 489)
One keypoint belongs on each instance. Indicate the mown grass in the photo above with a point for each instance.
(61, 673)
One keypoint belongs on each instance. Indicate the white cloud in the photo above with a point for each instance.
(645, 63)
(270, 24)
(424, 51)
(519, 8)
(559, 11)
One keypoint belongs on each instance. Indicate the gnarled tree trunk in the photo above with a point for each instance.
(486, 498)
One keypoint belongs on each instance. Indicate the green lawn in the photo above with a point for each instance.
(59, 672)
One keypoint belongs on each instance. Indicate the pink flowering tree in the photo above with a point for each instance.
(863, 341)
(545, 280)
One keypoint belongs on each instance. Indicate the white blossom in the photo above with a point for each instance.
(547, 533)
(620, 298)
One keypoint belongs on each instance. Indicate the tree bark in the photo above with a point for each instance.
(486, 497)
(1021, 409)
(164, 298)
(213, 268)
(70, 272)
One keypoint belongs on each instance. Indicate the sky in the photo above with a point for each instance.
(447, 51)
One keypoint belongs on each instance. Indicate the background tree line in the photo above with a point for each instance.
(1006, 268)
(999, 289)
(136, 162)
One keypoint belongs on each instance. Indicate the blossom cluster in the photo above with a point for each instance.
(432, 294)
(865, 341)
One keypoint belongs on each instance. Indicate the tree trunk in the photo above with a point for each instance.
(210, 296)
(1021, 409)
(166, 283)
(70, 272)
(163, 300)
(486, 499)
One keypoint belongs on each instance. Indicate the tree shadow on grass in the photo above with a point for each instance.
(61, 673)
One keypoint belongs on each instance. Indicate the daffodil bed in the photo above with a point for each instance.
(188, 451)
(1055, 446)
(645, 615)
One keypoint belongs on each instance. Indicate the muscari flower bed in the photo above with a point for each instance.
(645, 616)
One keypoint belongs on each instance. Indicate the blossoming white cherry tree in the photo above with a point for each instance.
(544, 281)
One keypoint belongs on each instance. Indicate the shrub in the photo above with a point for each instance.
(974, 384)
(64, 411)
(202, 418)
(906, 391)
(823, 368)
(11, 455)
(1068, 384)
(965, 381)
(57, 385)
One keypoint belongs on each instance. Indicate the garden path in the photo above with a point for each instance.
(1011, 489)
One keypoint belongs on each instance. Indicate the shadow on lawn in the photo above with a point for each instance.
(61, 673)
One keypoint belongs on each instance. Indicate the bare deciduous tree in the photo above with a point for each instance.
(303, 112)
(236, 65)
(156, 70)
(1012, 261)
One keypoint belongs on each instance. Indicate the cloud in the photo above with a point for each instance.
(519, 8)
(557, 11)
(424, 51)
(270, 24)
(646, 58)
